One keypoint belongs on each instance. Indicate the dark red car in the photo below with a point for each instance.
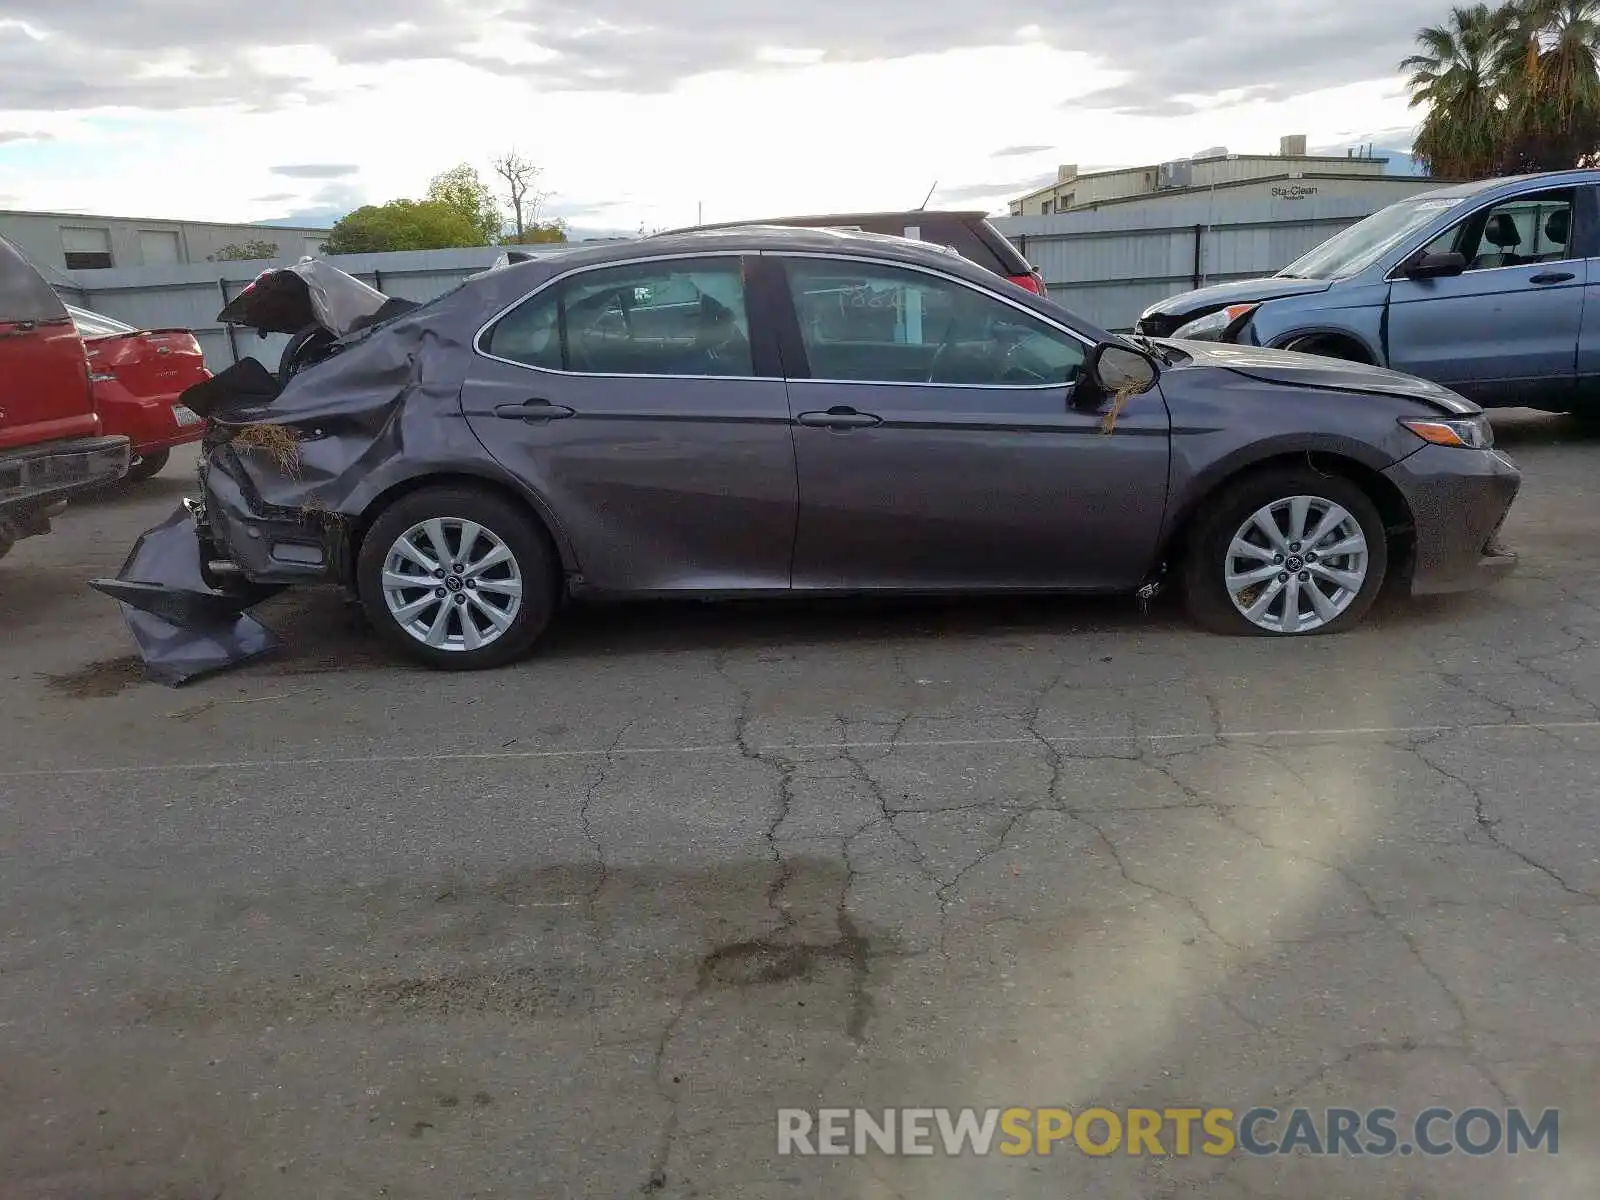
(138, 375)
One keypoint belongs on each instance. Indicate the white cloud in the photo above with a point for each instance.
(811, 130)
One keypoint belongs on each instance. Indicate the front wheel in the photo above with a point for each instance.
(1284, 553)
(457, 578)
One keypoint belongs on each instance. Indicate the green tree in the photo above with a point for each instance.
(1552, 86)
(537, 234)
(244, 252)
(403, 225)
(1508, 90)
(460, 188)
(1457, 76)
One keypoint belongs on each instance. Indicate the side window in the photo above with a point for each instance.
(864, 322)
(1527, 229)
(685, 317)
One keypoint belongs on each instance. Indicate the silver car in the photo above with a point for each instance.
(798, 412)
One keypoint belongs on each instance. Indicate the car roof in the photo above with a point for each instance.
(755, 238)
(1479, 186)
(818, 220)
(507, 284)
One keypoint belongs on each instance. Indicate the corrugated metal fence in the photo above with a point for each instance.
(1108, 267)
(191, 296)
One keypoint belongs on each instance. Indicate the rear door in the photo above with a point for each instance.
(44, 376)
(938, 446)
(1506, 330)
(646, 409)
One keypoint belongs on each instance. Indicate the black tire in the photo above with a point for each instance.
(302, 350)
(148, 466)
(535, 558)
(1329, 347)
(1206, 555)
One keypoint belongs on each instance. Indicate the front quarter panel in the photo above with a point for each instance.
(1224, 423)
(1352, 310)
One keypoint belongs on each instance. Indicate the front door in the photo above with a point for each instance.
(938, 447)
(1505, 331)
(630, 400)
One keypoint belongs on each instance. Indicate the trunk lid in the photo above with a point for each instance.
(149, 363)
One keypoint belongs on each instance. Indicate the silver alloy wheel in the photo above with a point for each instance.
(452, 584)
(1296, 564)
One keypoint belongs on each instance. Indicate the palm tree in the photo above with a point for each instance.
(1511, 89)
(1457, 76)
(1550, 85)
(1569, 40)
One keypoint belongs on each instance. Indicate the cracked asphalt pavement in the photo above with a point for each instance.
(331, 926)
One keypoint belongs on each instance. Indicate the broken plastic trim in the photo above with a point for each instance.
(184, 628)
(311, 292)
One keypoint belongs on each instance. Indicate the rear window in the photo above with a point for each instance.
(974, 238)
(94, 325)
(965, 240)
(24, 295)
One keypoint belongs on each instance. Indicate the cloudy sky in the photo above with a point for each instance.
(644, 110)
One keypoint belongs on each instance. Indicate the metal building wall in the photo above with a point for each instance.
(38, 236)
(1106, 265)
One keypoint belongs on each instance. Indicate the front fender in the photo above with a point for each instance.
(1224, 423)
(1354, 312)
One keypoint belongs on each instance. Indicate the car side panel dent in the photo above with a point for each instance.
(1225, 424)
(1354, 311)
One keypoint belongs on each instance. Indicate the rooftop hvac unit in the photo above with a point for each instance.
(1213, 152)
(1177, 174)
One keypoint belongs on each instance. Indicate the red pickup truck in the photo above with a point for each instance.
(51, 442)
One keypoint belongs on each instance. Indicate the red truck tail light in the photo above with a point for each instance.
(1028, 283)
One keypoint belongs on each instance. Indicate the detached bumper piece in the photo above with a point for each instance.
(184, 628)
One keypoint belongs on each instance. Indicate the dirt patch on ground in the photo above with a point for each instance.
(100, 679)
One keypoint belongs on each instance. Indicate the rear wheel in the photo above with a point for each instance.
(457, 578)
(148, 466)
(1284, 553)
(306, 348)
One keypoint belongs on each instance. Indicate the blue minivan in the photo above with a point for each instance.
(1481, 287)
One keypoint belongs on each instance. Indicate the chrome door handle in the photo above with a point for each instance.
(535, 410)
(840, 417)
(1551, 277)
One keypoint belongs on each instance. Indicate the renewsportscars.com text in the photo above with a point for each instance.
(1180, 1132)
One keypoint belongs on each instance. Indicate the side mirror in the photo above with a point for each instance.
(1423, 265)
(1117, 370)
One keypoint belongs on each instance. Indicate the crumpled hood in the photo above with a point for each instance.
(1240, 291)
(1316, 371)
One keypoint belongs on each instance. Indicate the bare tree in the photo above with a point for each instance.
(522, 178)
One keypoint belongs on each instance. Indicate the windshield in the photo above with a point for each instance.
(91, 324)
(1357, 248)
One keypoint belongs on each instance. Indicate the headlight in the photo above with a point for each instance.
(1469, 433)
(1214, 327)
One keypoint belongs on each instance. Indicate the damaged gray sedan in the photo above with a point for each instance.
(788, 412)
